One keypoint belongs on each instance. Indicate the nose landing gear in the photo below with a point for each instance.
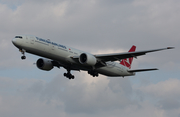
(23, 52)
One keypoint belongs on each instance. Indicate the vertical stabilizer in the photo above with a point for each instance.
(127, 62)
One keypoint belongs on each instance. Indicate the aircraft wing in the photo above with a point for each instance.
(120, 56)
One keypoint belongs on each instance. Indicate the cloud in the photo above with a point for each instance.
(76, 23)
(163, 89)
(85, 96)
(164, 95)
(169, 104)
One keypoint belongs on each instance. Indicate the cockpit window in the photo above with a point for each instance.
(18, 37)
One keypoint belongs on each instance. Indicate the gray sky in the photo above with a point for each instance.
(96, 26)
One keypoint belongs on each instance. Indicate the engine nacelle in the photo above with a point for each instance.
(87, 59)
(44, 64)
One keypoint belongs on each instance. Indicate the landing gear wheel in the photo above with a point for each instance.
(69, 75)
(23, 57)
(65, 74)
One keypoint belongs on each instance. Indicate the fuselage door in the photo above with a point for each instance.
(26, 39)
(52, 46)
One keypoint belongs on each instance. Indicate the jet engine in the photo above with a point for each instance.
(44, 64)
(87, 59)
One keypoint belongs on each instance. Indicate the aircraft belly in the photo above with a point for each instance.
(114, 71)
(108, 71)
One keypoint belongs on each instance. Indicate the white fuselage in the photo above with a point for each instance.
(64, 54)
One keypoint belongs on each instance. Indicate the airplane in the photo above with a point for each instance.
(59, 55)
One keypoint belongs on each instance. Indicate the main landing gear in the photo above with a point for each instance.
(23, 52)
(93, 73)
(69, 75)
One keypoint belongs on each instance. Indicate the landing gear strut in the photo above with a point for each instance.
(23, 52)
(69, 75)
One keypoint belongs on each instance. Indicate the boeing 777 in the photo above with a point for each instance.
(58, 55)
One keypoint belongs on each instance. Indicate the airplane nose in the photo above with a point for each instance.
(14, 41)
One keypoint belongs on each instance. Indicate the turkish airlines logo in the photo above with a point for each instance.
(127, 62)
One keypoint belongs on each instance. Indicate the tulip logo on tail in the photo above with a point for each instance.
(128, 61)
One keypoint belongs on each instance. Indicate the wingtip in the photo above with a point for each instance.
(170, 47)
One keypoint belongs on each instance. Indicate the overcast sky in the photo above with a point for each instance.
(95, 26)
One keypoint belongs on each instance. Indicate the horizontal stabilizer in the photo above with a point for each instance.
(142, 70)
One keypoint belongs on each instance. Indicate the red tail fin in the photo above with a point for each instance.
(127, 62)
